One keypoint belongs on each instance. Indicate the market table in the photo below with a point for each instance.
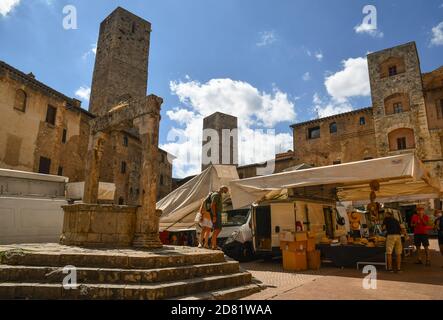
(349, 255)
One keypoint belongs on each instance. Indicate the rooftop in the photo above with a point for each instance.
(71, 103)
(340, 115)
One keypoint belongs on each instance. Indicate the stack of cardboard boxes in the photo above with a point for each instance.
(298, 250)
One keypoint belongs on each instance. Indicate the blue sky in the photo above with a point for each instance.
(272, 63)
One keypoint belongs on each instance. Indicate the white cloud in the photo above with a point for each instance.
(266, 38)
(352, 81)
(319, 56)
(369, 29)
(306, 76)
(437, 35)
(253, 108)
(91, 51)
(329, 107)
(83, 93)
(6, 6)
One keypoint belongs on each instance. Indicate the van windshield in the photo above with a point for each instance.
(235, 217)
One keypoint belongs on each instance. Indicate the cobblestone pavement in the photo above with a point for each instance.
(416, 282)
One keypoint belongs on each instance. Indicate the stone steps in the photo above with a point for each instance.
(103, 260)
(35, 271)
(224, 294)
(14, 273)
(165, 290)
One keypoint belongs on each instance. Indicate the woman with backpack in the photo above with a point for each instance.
(206, 225)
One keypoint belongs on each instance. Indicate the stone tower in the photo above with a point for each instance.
(400, 120)
(223, 132)
(121, 63)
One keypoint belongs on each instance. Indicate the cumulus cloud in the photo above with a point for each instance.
(351, 81)
(83, 93)
(437, 35)
(6, 6)
(366, 28)
(327, 107)
(266, 38)
(257, 112)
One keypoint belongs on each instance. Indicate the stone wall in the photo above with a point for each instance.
(408, 82)
(353, 139)
(88, 224)
(121, 63)
(25, 135)
(219, 121)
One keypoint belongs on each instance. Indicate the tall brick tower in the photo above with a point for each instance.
(400, 120)
(121, 63)
(227, 143)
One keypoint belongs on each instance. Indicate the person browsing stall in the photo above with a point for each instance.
(393, 240)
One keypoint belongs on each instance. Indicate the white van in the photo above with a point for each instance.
(269, 219)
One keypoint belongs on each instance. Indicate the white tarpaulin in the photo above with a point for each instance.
(398, 175)
(181, 205)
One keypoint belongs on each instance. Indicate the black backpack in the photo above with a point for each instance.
(208, 202)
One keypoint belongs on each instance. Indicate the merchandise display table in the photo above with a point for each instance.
(349, 255)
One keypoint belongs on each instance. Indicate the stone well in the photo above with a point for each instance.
(98, 225)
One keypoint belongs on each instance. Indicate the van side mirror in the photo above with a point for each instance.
(277, 229)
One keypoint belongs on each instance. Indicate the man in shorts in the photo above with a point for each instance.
(420, 223)
(393, 241)
(216, 213)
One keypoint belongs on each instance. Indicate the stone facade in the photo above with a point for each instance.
(95, 225)
(405, 83)
(121, 63)
(120, 74)
(341, 138)
(282, 162)
(406, 116)
(29, 135)
(213, 127)
(34, 138)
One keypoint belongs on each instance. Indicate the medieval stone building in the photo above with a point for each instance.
(44, 131)
(406, 116)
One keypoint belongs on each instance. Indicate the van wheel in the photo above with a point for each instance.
(246, 253)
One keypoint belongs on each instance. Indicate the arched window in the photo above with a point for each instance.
(401, 139)
(20, 100)
(392, 66)
(333, 127)
(397, 103)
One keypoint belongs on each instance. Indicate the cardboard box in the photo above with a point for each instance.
(294, 260)
(314, 260)
(286, 236)
(310, 244)
(301, 236)
(293, 245)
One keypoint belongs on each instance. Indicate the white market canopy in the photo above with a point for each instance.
(181, 205)
(399, 176)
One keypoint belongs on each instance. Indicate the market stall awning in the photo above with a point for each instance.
(398, 175)
(181, 205)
